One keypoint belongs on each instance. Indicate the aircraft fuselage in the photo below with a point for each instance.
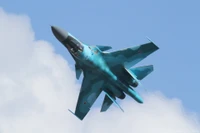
(111, 72)
(91, 58)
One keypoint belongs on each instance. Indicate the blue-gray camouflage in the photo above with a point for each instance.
(110, 72)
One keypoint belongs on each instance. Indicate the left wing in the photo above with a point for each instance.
(130, 56)
(90, 90)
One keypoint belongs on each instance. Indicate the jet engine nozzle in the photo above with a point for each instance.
(134, 83)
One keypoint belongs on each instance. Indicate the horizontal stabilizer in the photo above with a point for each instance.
(141, 72)
(114, 101)
(104, 48)
(107, 102)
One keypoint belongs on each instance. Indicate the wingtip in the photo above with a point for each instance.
(122, 110)
(152, 42)
(70, 111)
(149, 39)
(74, 114)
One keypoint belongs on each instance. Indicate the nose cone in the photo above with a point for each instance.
(59, 33)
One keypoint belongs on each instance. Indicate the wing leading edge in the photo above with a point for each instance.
(90, 90)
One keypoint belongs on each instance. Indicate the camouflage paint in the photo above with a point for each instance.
(105, 71)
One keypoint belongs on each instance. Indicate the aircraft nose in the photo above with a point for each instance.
(59, 33)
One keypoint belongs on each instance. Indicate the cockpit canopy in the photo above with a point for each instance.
(73, 45)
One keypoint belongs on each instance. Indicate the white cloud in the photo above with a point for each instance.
(38, 86)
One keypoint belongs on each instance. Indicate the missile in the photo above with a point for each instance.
(132, 93)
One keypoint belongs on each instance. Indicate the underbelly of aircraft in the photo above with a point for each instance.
(117, 92)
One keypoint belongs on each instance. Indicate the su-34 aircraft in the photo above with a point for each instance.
(110, 72)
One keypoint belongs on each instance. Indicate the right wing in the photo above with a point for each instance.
(90, 90)
(130, 56)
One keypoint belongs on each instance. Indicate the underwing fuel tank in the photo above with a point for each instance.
(132, 93)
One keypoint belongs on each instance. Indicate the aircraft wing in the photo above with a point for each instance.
(90, 90)
(130, 56)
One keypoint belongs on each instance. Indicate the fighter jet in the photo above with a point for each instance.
(108, 72)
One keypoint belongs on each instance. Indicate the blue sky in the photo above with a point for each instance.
(172, 25)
